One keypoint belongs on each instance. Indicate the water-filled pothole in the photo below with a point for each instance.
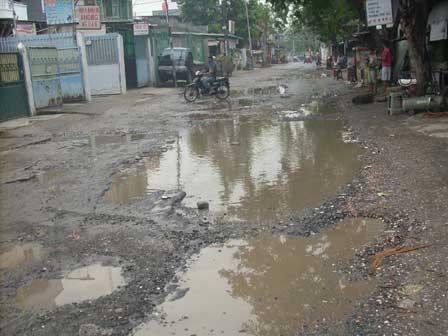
(86, 283)
(22, 254)
(249, 169)
(267, 286)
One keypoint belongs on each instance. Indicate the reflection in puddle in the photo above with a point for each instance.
(83, 284)
(268, 286)
(248, 169)
(22, 254)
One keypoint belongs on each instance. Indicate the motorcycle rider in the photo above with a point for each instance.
(211, 74)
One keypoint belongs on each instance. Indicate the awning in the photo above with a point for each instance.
(438, 21)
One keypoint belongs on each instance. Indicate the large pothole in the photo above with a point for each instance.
(274, 285)
(248, 169)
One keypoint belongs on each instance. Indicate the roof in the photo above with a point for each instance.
(211, 35)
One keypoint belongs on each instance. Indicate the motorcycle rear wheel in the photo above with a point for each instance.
(222, 92)
(191, 93)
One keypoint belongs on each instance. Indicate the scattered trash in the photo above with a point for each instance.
(203, 205)
(406, 304)
(411, 289)
(382, 194)
(323, 75)
(75, 235)
(282, 89)
(379, 257)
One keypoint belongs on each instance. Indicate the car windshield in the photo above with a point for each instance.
(178, 53)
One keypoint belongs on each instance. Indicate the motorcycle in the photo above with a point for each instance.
(219, 88)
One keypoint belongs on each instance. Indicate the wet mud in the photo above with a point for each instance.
(247, 169)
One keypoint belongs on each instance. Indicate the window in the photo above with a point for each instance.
(111, 8)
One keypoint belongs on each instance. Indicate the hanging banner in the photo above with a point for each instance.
(24, 28)
(379, 12)
(89, 17)
(59, 12)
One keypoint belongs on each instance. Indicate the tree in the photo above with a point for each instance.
(210, 13)
(329, 19)
(414, 17)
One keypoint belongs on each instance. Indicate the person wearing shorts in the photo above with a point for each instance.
(386, 66)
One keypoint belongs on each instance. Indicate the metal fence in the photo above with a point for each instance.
(9, 67)
(102, 49)
(61, 40)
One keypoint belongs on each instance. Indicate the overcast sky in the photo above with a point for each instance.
(145, 7)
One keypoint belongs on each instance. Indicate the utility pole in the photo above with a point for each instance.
(14, 17)
(265, 40)
(171, 42)
(74, 15)
(248, 33)
(225, 23)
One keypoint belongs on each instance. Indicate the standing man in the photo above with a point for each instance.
(386, 64)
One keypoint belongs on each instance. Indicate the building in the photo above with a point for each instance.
(153, 7)
(10, 12)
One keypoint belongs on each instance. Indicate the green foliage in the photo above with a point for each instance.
(210, 13)
(329, 19)
(301, 40)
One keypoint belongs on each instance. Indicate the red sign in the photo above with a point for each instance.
(89, 17)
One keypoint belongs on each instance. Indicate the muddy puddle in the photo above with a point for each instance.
(249, 169)
(268, 286)
(86, 283)
(22, 254)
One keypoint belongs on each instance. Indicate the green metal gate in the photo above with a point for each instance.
(13, 95)
(196, 44)
(160, 40)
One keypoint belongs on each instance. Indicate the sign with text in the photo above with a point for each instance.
(141, 29)
(59, 12)
(24, 28)
(379, 12)
(89, 17)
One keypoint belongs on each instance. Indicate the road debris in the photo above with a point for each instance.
(379, 257)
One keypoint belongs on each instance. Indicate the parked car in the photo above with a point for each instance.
(184, 64)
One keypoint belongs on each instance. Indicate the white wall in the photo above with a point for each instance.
(145, 7)
(6, 10)
(104, 79)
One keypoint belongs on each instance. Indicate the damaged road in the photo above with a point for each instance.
(102, 236)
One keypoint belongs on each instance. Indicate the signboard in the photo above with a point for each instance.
(59, 12)
(141, 29)
(379, 12)
(23, 28)
(89, 17)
